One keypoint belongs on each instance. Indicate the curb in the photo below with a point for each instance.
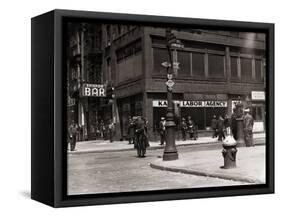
(205, 173)
(257, 142)
(131, 149)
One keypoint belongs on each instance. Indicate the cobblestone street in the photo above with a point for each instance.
(124, 172)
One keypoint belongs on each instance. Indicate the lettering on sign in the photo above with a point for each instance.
(191, 103)
(258, 95)
(93, 90)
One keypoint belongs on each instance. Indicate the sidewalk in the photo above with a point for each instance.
(99, 146)
(250, 164)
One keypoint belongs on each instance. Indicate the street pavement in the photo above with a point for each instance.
(123, 171)
(96, 146)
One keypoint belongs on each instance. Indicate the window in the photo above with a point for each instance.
(160, 56)
(198, 65)
(184, 64)
(258, 70)
(246, 69)
(129, 50)
(215, 66)
(234, 67)
(257, 113)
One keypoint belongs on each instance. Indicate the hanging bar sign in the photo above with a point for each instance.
(93, 90)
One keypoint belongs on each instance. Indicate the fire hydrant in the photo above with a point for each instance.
(229, 152)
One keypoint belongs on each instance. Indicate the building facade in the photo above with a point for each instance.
(84, 62)
(217, 69)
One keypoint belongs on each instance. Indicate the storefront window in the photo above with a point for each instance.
(257, 113)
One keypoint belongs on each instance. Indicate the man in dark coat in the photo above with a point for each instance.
(248, 128)
(191, 128)
(131, 131)
(214, 126)
(162, 130)
(72, 132)
(139, 130)
(220, 127)
(183, 129)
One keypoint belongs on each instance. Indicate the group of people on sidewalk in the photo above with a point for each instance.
(103, 132)
(228, 125)
(138, 125)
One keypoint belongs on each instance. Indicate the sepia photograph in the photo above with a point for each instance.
(163, 107)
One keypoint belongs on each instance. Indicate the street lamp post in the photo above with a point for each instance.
(170, 151)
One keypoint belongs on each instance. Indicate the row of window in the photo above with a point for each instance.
(201, 65)
(129, 50)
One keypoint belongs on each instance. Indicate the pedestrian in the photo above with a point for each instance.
(220, 128)
(72, 132)
(227, 124)
(162, 130)
(102, 129)
(131, 131)
(139, 130)
(146, 132)
(183, 129)
(111, 130)
(214, 126)
(191, 127)
(234, 124)
(248, 128)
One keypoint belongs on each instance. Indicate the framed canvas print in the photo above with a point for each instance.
(133, 108)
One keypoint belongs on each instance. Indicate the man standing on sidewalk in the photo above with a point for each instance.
(220, 126)
(72, 132)
(214, 126)
(248, 128)
(183, 129)
(162, 129)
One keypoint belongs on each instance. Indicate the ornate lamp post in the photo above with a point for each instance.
(170, 151)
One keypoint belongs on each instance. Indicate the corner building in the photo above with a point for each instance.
(217, 69)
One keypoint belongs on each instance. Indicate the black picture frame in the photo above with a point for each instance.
(48, 163)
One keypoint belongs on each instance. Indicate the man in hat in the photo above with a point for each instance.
(162, 130)
(248, 123)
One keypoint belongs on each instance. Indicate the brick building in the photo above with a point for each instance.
(217, 70)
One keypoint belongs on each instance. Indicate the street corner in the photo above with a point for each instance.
(193, 165)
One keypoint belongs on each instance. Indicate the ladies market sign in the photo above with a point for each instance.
(191, 103)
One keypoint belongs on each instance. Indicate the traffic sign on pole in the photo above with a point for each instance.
(166, 64)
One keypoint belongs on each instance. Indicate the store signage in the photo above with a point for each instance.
(191, 103)
(93, 90)
(258, 95)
